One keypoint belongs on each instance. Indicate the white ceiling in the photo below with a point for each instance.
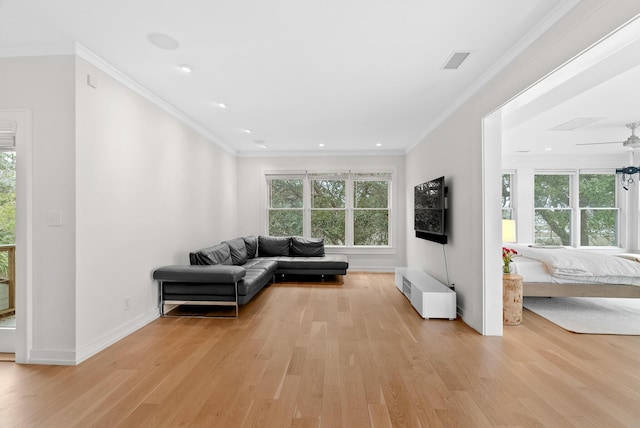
(599, 84)
(297, 73)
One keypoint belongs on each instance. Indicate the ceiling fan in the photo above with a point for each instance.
(632, 142)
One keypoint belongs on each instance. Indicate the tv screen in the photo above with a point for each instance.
(430, 210)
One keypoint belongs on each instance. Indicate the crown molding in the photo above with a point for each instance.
(266, 153)
(38, 50)
(97, 61)
(519, 47)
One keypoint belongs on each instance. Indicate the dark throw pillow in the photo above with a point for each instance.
(238, 251)
(217, 255)
(270, 246)
(251, 242)
(307, 247)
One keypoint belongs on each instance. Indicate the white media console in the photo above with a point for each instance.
(430, 297)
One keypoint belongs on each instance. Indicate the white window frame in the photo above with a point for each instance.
(616, 207)
(350, 177)
(574, 203)
(512, 193)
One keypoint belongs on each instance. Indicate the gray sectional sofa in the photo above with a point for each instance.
(233, 272)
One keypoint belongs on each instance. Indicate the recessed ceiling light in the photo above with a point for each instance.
(261, 143)
(321, 145)
(548, 149)
(185, 68)
(220, 105)
(378, 144)
(163, 41)
(246, 131)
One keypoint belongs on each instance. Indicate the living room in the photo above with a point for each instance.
(114, 161)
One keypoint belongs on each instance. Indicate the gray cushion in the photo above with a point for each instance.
(200, 274)
(217, 255)
(270, 246)
(238, 251)
(311, 264)
(307, 247)
(251, 242)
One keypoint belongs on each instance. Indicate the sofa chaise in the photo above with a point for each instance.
(233, 272)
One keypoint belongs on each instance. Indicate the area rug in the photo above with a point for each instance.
(591, 315)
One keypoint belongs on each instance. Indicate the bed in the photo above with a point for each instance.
(568, 272)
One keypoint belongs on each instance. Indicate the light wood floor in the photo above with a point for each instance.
(326, 355)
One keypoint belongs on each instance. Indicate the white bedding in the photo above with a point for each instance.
(567, 265)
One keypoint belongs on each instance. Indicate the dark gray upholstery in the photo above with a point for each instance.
(212, 277)
(272, 246)
(307, 247)
(217, 255)
(330, 264)
(251, 243)
(238, 251)
(216, 274)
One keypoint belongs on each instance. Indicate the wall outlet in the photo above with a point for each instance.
(127, 303)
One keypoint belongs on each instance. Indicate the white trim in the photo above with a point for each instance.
(122, 78)
(349, 176)
(24, 234)
(317, 153)
(491, 225)
(56, 358)
(516, 50)
(27, 51)
(109, 338)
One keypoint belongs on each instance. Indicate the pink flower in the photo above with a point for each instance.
(508, 254)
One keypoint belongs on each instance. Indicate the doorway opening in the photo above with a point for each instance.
(7, 235)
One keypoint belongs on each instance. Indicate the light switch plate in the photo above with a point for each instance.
(54, 218)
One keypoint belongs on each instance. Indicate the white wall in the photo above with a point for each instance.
(455, 149)
(149, 189)
(252, 203)
(136, 187)
(45, 86)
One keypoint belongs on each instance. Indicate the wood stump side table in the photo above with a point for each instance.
(511, 299)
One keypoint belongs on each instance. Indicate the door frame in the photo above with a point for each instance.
(24, 222)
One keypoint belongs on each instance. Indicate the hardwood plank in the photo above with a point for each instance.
(318, 354)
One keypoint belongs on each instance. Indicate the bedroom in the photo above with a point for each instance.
(569, 165)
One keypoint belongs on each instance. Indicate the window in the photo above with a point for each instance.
(576, 209)
(370, 211)
(286, 199)
(552, 209)
(328, 209)
(346, 209)
(507, 196)
(598, 212)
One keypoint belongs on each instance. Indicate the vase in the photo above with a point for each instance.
(506, 268)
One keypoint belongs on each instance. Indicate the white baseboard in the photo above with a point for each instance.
(102, 342)
(370, 269)
(55, 358)
(72, 358)
(8, 340)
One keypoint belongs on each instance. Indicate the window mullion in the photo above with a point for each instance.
(306, 215)
(574, 203)
(349, 205)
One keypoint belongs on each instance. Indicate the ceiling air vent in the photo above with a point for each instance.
(576, 123)
(455, 60)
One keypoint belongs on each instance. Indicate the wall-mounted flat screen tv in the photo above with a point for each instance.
(430, 210)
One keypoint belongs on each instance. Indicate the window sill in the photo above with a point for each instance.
(360, 250)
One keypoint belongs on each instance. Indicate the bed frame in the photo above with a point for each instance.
(547, 289)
